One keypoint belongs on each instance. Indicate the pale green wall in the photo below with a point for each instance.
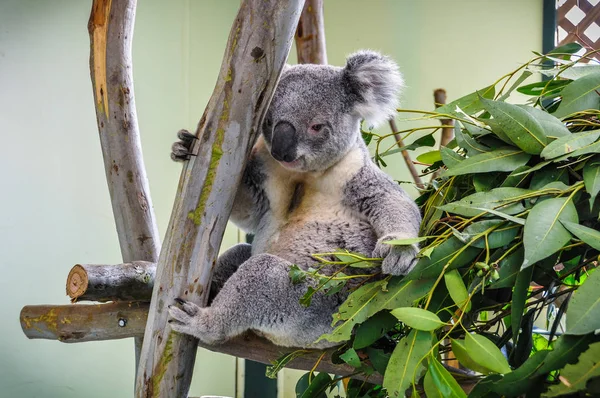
(54, 205)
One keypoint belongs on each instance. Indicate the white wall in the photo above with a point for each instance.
(54, 204)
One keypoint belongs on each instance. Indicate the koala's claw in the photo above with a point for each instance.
(181, 150)
(397, 260)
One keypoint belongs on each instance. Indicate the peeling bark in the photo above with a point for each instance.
(257, 49)
(310, 34)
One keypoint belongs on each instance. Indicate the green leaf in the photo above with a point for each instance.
(551, 125)
(459, 349)
(503, 159)
(485, 353)
(353, 311)
(425, 141)
(568, 144)
(543, 88)
(501, 236)
(580, 95)
(431, 267)
(583, 314)
(514, 180)
(577, 375)
(591, 179)
(467, 142)
(439, 382)
(457, 289)
(573, 73)
(317, 388)
(506, 199)
(469, 104)
(378, 358)
(373, 329)
(522, 129)
(280, 363)
(486, 181)
(586, 234)
(418, 318)
(516, 84)
(547, 176)
(404, 367)
(405, 242)
(509, 269)
(351, 358)
(449, 157)
(544, 235)
(569, 48)
(296, 274)
(519, 298)
(400, 292)
(430, 157)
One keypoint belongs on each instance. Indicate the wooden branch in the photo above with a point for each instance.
(78, 323)
(439, 99)
(409, 163)
(256, 52)
(310, 34)
(121, 282)
(111, 34)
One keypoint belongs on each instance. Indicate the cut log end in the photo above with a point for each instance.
(77, 282)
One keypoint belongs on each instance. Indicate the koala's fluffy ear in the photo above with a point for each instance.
(374, 82)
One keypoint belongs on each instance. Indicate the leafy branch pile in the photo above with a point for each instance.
(505, 283)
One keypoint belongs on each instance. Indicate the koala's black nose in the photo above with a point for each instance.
(284, 142)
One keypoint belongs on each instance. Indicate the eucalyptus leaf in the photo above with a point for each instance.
(459, 349)
(405, 242)
(509, 269)
(543, 88)
(586, 234)
(485, 353)
(318, 386)
(506, 199)
(591, 179)
(378, 358)
(517, 83)
(457, 289)
(519, 125)
(451, 253)
(399, 292)
(467, 142)
(570, 143)
(544, 235)
(519, 298)
(449, 157)
(500, 236)
(514, 180)
(503, 159)
(439, 381)
(418, 318)
(575, 377)
(404, 367)
(573, 73)
(430, 157)
(580, 95)
(583, 314)
(469, 104)
(552, 126)
(351, 358)
(373, 329)
(544, 177)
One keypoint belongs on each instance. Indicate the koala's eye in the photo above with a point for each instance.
(317, 127)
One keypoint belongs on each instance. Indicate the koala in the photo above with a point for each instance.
(309, 187)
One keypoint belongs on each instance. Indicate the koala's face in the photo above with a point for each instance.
(314, 117)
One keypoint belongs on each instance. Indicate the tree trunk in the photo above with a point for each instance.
(111, 33)
(439, 99)
(256, 51)
(310, 34)
(121, 282)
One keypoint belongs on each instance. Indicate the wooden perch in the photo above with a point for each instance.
(439, 99)
(310, 34)
(111, 34)
(258, 45)
(78, 323)
(121, 282)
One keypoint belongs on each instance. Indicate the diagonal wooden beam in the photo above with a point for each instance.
(258, 45)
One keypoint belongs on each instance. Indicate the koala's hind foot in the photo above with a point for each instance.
(259, 296)
(397, 260)
(182, 149)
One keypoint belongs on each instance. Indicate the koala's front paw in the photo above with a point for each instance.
(397, 260)
(190, 319)
(182, 149)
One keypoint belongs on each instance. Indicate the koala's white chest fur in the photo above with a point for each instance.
(298, 200)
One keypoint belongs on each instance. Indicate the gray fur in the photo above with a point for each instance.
(330, 197)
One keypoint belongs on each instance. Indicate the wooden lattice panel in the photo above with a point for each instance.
(578, 21)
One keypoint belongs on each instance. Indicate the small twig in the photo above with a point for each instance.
(406, 156)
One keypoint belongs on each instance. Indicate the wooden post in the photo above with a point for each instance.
(310, 34)
(258, 45)
(439, 99)
(111, 33)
